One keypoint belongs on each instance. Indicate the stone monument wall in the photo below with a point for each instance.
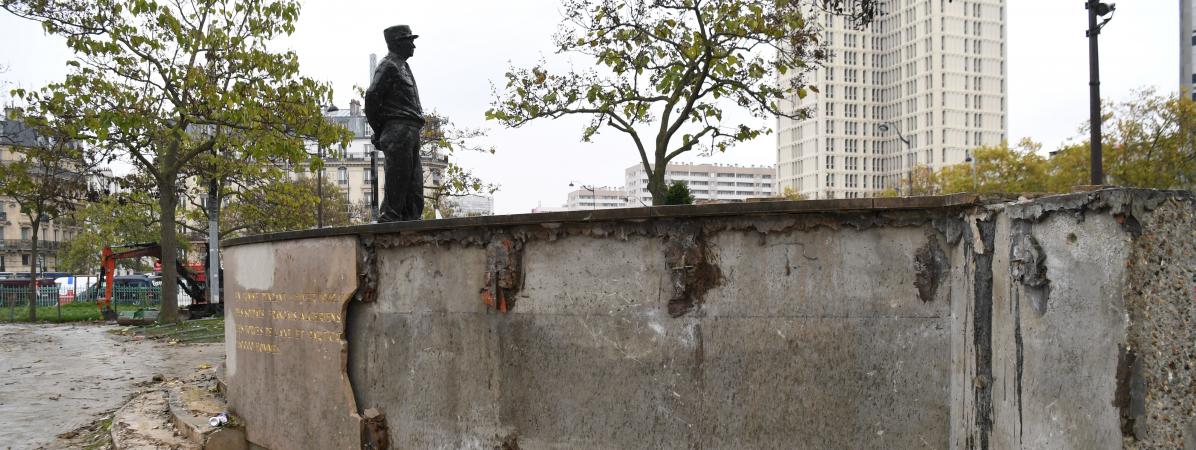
(960, 322)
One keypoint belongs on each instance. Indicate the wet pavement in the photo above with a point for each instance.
(56, 378)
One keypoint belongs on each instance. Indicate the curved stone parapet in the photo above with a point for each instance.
(942, 322)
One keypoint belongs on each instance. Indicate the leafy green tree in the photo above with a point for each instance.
(998, 169)
(668, 70)
(678, 194)
(283, 205)
(1152, 142)
(440, 138)
(111, 220)
(163, 84)
(790, 194)
(922, 181)
(44, 170)
(1068, 167)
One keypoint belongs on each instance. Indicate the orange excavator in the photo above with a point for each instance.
(193, 283)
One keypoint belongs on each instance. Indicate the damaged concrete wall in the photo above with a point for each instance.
(1062, 322)
(1083, 285)
(666, 334)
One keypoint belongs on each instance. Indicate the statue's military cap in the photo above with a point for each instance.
(398, 32)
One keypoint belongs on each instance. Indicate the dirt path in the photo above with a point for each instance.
(55, 378)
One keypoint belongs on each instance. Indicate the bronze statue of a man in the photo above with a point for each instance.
(393, 111)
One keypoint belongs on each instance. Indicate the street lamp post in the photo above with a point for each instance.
(909, 148)
(1096, 9)
(593, 194)
(968, 159)
(320, 189)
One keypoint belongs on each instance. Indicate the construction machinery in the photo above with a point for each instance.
(192, 280)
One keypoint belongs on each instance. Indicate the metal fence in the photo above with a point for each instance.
(20, 296)
(14, 299)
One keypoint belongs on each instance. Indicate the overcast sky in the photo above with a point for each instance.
(466, 45)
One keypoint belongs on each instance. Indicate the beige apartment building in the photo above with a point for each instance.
(350, 169)
(922, 85)
(16, 230)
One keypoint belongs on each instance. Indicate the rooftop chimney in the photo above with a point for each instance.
(354, 108)
(13, 113)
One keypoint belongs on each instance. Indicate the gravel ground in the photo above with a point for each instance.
(56, 378)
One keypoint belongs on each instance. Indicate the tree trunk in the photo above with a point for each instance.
(656, 184)
(169, 245)
(33, 274)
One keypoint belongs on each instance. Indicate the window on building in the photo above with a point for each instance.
(367, 174)
(342, 176)
(25, 260)
(26, 233)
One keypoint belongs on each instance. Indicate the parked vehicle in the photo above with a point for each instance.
(126, 290)
(69, 286)
(25, 282)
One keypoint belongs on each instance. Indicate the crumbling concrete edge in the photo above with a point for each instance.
(692, 267)
(1132, 209)
(981, 241)
(504, 272)
(930, 267)
(1128, 202)
(373, 426)
(367, 270)
(1027, 265)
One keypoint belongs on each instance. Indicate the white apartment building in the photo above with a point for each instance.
(471, 205)
(706, 182)
(588, 197)
(922, 85)
(1187, 47)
